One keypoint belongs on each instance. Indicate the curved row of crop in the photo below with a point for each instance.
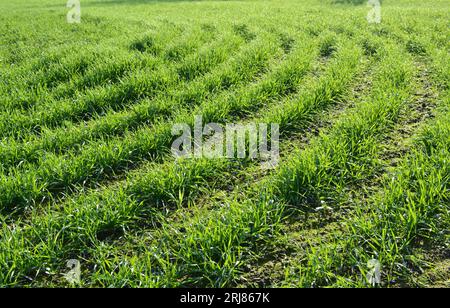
(144, 83)
(411, 214)
(61, 70)
(99, 160)
(207, 251)
(112, 69)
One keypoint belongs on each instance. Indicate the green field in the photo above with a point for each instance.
(86, 172)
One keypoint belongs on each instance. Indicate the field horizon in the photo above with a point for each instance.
(341, 177)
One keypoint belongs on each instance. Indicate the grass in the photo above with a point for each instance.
(85, 133)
